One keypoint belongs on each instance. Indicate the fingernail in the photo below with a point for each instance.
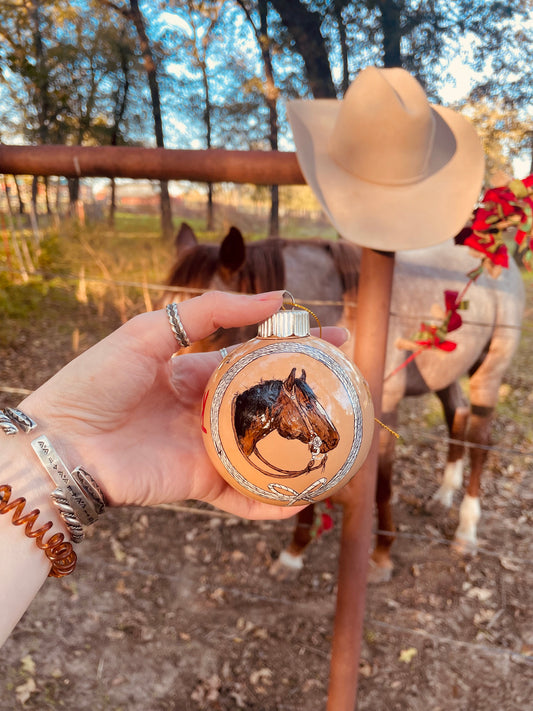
(270, 295)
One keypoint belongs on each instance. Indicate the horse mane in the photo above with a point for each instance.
(195, 267)
(249, 403)
(264, 268)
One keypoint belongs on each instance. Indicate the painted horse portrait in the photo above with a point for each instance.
(290, 408)
(323, 275)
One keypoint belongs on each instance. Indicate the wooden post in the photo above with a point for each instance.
(371, 328)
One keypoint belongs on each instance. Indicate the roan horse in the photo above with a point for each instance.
(327, 271)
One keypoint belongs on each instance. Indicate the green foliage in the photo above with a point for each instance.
(20, 302)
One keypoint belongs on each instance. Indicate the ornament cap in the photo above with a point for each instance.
(285, 323)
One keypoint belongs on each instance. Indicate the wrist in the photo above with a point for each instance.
(22, 471)
(70, 495)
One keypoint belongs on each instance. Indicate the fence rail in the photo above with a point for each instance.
(214, 166)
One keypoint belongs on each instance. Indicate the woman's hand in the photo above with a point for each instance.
(129, 412)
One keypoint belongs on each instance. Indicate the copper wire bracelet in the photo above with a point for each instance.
(58, 551)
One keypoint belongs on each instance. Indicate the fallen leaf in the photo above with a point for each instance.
(481, 594)
(509, 565)
(27, 664)
(24, 691)
(407, 655)
(118, 550)
(261, 676)
(365, 668)
(218, 595)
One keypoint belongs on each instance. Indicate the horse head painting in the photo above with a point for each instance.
(323, 275)
(289, 407)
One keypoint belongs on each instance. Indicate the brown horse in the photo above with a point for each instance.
(323, 275)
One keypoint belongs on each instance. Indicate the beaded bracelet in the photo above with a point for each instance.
(58, 551)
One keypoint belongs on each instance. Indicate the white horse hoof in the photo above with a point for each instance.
(286, 566)
(464, 546)
(443, 497)
(378, 573)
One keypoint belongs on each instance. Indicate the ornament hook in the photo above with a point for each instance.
(288, 297)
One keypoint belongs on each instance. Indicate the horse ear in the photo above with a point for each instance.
(289, 383)
(303, 376)
(185, 239)
(232, 251)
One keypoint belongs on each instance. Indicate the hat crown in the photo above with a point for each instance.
(385, 128)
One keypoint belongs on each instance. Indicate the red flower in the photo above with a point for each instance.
(431, 336)
(450, 302)
(323, 522)
(489, 244)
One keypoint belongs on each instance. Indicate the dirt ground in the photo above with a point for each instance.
(176, 609)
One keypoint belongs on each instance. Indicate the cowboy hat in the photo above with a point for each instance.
(390, 170)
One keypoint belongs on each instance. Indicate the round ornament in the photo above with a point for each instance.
(287, 419)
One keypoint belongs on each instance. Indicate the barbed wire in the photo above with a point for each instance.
(473, 646)
(369, 620)
(196, 291)
(404, 439)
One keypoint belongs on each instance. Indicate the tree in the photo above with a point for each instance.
(133, 13)
(32, 67)
(270, 93)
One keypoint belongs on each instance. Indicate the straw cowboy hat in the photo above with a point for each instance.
(391, 171)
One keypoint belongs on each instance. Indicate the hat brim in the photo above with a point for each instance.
(383, 216)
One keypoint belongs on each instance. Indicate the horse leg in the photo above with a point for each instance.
(291, 560)
(456, 413)
(470, 509)
(380, 564)
(484, 386)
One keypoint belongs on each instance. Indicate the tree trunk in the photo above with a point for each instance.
(19, 196)
(392, 33)
(210, 222)
(47, 195)
(34, 188)
(118, 114)
(337, 14)
(151, 71)
(304, 27)
(274, 211)
(112, 204)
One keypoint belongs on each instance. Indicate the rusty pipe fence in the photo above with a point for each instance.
(370, 323)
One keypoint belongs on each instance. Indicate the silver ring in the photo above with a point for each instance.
(177, 326)
(223, 352)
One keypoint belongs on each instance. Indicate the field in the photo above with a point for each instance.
(175, 609)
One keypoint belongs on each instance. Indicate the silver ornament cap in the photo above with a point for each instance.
(285, 323)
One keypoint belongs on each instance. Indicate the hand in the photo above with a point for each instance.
(129, 412)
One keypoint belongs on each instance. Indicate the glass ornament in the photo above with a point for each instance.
(287, 418)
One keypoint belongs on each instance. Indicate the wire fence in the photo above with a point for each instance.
(507, 558)
(195, 291)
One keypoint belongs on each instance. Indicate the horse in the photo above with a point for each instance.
(323, 275)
